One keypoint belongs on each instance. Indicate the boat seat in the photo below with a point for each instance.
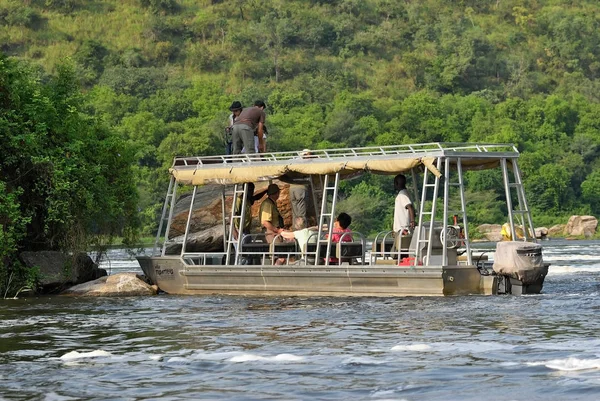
(322, 250)
(349, 252)
(253, 246)
(284, 248)
(383, 248)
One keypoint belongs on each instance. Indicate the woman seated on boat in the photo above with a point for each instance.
(302, 234)
(340, 227)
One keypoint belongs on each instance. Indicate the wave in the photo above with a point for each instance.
(363, 360)
(561, 269)
(412, 347)
(74, 355)
(470, 347)
(561, 256)
(276, 358)
(569, 364)
(52, 396)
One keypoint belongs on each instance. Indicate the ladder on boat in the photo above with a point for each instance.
(523, 213)
(327, 217)
(165, 218)
(237, 218)
(448, 234)
(316, 189)
(425, 239)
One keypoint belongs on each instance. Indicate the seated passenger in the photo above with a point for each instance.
(302, 234)
(269, 216)
(340, 226)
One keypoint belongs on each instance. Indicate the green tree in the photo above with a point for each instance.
(66, 179)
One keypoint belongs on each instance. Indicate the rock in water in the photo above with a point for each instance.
(581, 225)
(58, 270)
(116, 285)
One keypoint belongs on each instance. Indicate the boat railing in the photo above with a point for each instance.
(416, 150)
(384, 250)
(353, 251)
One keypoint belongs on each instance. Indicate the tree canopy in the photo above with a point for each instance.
(65, 177)
(162, 73)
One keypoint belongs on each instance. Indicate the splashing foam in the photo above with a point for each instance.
(569, 364)
(276, 358)
(412, 347)
(70, 356)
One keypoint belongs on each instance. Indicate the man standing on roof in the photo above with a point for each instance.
(269, 216)
(250, 119)
(404, 212)
(235, 108)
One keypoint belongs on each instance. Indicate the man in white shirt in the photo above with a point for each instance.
(404, 212)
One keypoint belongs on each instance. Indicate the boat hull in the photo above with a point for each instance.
(173, 276)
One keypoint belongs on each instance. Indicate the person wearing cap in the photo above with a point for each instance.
(250, 119)
(269, 216)
(235, 108)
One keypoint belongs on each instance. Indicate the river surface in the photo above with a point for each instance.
(535, 347)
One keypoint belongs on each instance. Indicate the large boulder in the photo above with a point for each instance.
(541, 232)
(492, 232)
(557, 231)
(581, 226)
(116, 285)
(207, 210)
(206, 224)
(209, 240)
(58, 270)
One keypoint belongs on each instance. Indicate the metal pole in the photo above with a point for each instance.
(445, 212)
(241, 224)
(418, 253)
(224, 219)
(189, 219)
(508, 199)
(171, 209)
(433, 209)
(522, 197)
(463, 205)
(331, 218)
(415, 181)
(162, 216)
(321, 218)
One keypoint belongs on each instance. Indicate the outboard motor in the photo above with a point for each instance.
(521, 266)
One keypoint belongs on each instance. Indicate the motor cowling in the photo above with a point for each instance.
(520, 260)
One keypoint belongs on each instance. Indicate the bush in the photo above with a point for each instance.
(66, 178)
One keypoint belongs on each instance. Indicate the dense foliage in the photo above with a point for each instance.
(339, 73)
(65, 178)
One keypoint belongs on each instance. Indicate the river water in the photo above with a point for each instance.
(535, 347)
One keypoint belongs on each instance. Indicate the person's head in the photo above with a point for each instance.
(300, 223)
(306, 154)
(261, 104)
(399, 182)
(273, 191)
(344, 220)
(236, 107)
